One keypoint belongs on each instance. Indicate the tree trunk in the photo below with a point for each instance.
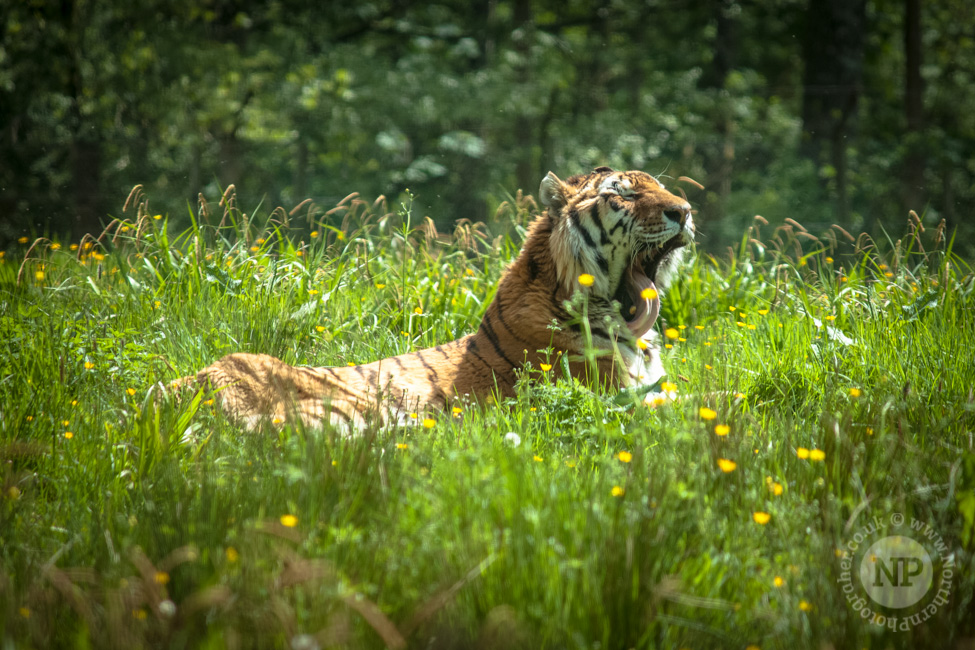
(301, 171)
(914, 108)
(523, 127)
(833, 55)
(86, 163)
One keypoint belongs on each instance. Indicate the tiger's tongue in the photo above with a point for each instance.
(647, 309)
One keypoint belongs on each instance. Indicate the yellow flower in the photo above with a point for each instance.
(289, 521)
(732, 308)
(402, 445)
(668, 387)
(762, 312)
(817, 455)
(39, 275)
(139, 614)
(648, 293)
(68, 435)
(277, 421)
(232, 554)
(727, 465)
(379, 285)
(254, 249)
(625, 456)
(869, 431)
(350, 364)
(457, 410)
(313, 234)
(24, 612)
(706, 413)
(722, 430)
(672, 333)
(157, 217)
(855, 392)
(429, 423)
(776, 489)
(761, 517)
(805, 606)
(586, 280)
(22, 240)
(740, 395)
(414, 416)
(699, 327)
(89, 365)
(537, 458)
(640, 343)
(618, 491)
(162, 577)
(545, 366)
(752, 647)
(778, 581)
(802, 453)
(829, 260)
(319, 328)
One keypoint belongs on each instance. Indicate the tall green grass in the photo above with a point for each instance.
(842, 372)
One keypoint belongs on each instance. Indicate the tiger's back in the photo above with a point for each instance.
(621, 229)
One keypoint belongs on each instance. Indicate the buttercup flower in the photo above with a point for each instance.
(706, 413)
(289, 521)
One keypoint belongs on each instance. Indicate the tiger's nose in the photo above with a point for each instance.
(678, 213)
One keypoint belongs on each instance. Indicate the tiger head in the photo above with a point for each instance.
(622, 228)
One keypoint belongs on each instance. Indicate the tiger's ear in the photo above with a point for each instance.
(553, 193)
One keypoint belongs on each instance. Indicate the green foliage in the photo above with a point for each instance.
(455, 100)
(129, 521)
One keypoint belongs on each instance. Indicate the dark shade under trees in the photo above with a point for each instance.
(837, 111)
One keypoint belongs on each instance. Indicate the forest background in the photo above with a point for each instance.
(826, 111)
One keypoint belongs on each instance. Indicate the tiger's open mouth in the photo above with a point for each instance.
(637, 294)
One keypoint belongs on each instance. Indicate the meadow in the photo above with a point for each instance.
(824, 384)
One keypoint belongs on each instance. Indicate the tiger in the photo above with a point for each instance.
(614, 237)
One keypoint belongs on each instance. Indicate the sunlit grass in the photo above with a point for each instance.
(811, 389)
